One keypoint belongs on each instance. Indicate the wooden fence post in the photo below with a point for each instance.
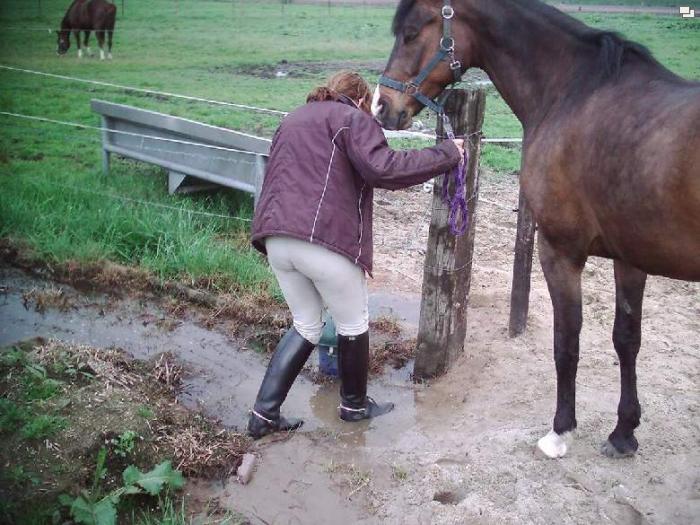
(448, 260)
(522, 269)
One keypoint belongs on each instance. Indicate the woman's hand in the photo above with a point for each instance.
(460, 146)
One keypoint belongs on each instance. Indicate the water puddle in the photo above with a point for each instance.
(302, 472)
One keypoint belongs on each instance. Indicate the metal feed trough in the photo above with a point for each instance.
(184, 147)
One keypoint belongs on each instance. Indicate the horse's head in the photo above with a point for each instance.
(63, 43)
(426, 31)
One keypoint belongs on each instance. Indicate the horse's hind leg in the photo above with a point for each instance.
(563, 275)
(109, 44)
(627, 337)
(86, 39)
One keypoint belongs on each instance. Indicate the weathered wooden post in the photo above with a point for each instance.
(522, 269)
(448, 260)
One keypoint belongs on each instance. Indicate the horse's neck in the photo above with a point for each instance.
(71, 12)
(530, 61)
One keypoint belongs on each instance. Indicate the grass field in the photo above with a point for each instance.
(208, 49)
(634, 3)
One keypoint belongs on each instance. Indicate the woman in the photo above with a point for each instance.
(314, 222)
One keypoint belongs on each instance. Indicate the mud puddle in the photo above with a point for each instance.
(461, 450)
(312, 473)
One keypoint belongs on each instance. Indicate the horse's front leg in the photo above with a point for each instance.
(76, 33)
(627, 338)
(563, 275)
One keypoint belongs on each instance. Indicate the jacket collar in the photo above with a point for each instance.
(344, 99)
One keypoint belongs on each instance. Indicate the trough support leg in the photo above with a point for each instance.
(175, 180)
(106, 155)
(522, 269)
(259, 177)
(448, 261)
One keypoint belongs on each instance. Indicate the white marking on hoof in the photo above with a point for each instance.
(554, 445)
(80, 53)
(109, 56)
(102, 55)
(88, 51)
(376, 107)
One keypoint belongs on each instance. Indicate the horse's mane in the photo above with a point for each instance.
(402, 11)
(613, 48)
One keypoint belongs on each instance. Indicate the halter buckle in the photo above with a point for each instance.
(448, 12)
(411, 89)
(455, 65)
(444, 46)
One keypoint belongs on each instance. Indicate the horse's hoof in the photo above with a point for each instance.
(619, 448)
(555, 445)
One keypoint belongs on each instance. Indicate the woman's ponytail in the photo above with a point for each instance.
(345, 83)
(323, 93)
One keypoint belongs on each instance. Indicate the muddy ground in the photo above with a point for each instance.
(461, 450)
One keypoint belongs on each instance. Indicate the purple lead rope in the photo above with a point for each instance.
(457, 202)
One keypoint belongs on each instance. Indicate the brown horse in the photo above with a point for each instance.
(610, 165)
(88, 15)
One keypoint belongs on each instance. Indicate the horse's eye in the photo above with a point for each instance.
(409, 37)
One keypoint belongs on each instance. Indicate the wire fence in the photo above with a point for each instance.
(234, 105)
(408, 242)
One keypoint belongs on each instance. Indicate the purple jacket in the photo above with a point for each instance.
(325, 161)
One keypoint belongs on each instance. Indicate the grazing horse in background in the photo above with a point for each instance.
(88, 15)
(610, 164)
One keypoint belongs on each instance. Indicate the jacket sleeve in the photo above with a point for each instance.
(383, 167)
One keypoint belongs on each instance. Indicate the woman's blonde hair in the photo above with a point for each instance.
(347, 83)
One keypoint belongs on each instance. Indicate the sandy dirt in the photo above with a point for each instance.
(461, 450)
(499, 397)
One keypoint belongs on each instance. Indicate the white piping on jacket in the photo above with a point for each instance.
(325, 186)
(362, 226)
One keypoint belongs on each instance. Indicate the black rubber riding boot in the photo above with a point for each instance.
(286, 363)
(353, 367)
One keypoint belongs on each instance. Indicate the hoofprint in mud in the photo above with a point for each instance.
(462, 450)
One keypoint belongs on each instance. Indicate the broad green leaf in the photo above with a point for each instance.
(88, 513)
(132, 489)
(154, 481)
(105, 513)
(82, 511)
(131, 475)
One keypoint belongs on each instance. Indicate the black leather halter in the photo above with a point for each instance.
(445, 52)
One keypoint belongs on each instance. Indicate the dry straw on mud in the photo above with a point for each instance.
(198, 445)
(43, 299)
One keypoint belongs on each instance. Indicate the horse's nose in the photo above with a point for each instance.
(382, 109)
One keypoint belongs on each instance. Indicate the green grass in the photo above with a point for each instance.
(632, 3)
(22, 411)
(47, 172)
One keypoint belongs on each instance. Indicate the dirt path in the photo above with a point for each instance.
(463, 449)
(482, 420)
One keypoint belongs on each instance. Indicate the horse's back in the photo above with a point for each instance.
(624, 170)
